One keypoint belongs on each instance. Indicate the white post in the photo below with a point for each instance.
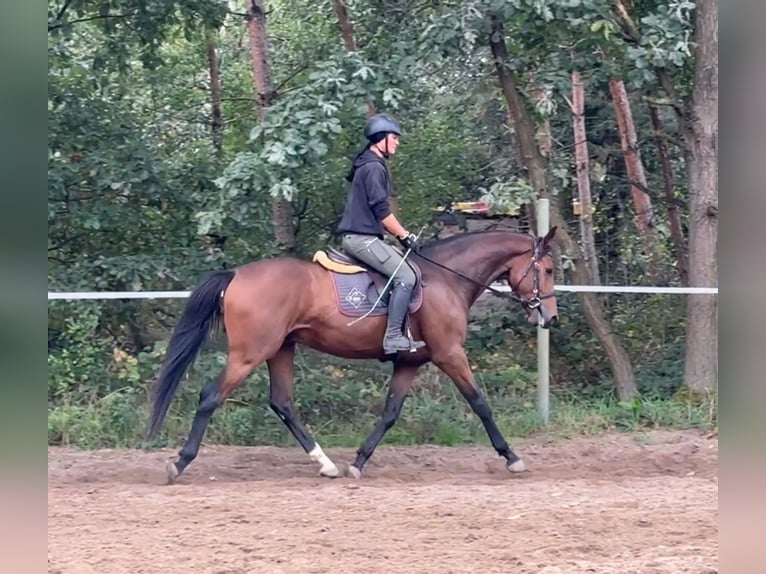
(543, 355)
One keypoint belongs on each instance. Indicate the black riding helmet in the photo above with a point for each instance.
(379, 125)
(375, 130)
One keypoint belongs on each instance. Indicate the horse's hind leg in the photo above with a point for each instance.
(281, 382)
(399, 385)
(238, 367)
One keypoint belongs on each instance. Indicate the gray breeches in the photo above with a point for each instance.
(380, 256)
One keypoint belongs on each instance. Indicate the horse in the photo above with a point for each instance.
(269, 306)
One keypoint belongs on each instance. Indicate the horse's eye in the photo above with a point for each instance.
(549, 272)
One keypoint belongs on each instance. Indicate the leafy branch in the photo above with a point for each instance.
(59, 23)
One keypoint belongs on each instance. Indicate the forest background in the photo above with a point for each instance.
(185, 136)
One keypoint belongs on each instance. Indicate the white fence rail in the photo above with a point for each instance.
(96, 295)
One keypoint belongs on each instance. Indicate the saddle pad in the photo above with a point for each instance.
(355, 294)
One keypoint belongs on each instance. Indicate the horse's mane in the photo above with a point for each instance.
(440, 242)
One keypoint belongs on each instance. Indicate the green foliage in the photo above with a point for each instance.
(294, 137)
(433, 416)
(128, 25)
(141, 196)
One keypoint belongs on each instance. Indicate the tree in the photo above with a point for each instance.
(674, 217)
(701, 135)
(697, 114)
(583, 179)
(216, 116)
(536, 166)
(637, 178)
(282, 209)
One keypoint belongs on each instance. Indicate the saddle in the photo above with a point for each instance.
(358, 286)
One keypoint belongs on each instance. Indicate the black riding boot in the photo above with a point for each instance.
(395, 340)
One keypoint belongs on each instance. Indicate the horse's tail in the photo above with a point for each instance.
(201, 316)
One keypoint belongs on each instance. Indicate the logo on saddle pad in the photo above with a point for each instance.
(355, 298)
(355, 288)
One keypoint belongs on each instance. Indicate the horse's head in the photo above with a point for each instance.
(531, 280)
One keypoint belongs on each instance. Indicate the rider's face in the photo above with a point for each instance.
(389, 144)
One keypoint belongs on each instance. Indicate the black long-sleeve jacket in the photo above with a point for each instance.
(367, 200)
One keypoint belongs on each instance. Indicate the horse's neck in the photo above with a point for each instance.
(483, 261)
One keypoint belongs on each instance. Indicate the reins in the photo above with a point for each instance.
(531, 303)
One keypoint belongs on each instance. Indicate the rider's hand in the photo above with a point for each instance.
(409, 241)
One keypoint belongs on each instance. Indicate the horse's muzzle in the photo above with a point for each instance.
(537, 317)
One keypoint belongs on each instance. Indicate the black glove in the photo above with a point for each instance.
(410, 242)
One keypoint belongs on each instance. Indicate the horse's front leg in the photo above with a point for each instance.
(399, 385)
(455, 365)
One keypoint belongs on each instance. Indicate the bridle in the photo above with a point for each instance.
(534, 263)
(536, 300)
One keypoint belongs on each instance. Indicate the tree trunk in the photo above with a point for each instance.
(622, 369)
(699, 125)
(543, 128)
(349, 42)
(281, 208)
(216, 117)
(676, 231)
(346, 27)
(701, 369)
(536, 165)
(635, 168)
(583, 180)
(349, 39)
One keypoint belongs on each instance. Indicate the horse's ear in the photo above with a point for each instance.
(549, 235)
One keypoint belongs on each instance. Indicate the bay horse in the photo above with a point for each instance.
(269, 306)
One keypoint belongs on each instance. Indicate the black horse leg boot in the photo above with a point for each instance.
(395, 340)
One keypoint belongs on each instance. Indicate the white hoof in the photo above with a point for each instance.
(330, 471)
(172, 472)
(326, 466)
(517, 466)
(354, 472)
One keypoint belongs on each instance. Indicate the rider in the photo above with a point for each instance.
(368, 214)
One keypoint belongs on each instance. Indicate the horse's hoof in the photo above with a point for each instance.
(172, 472)
(330, 471)
(353, 472)
(517, 466)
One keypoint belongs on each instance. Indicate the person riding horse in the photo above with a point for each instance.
(367, 215)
